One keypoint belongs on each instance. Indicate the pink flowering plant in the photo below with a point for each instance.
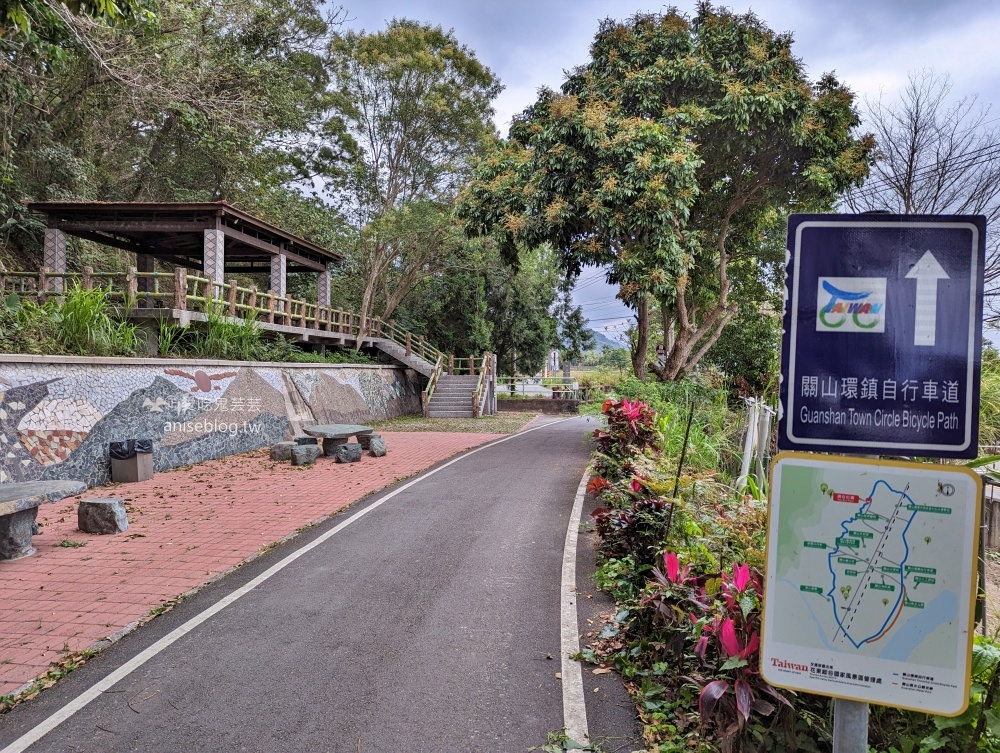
(632, 522)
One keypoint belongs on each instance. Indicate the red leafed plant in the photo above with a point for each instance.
(720, 632)
(634, 532)
(631, 428)
(597, 484)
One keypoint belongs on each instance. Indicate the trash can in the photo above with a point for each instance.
(131, 460)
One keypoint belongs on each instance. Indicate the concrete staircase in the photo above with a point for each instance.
(452, 397)
(415, 362)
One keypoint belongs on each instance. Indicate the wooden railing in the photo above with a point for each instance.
(194, 293)
(478, 396)
(413, 345)
(428, 393)
(182, 291)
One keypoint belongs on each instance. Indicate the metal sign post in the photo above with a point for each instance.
(866, 600)
(850, 726)
(850, 718)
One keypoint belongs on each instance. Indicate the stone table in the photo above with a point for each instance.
(19, 507)
(334, 435)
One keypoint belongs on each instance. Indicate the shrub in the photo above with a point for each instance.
(225, 338)
(26, 328)
(637, 532)
(630, 429)
(87, 323)
(717, 644)
(686, 636)
(713, 438)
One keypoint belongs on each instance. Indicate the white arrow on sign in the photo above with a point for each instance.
(926, 272)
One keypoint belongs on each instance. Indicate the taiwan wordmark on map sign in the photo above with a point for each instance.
(882, 334)
(870, 591)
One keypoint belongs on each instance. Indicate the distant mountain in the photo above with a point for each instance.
(603, 341)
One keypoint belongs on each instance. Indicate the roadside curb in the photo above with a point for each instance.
(574, 703)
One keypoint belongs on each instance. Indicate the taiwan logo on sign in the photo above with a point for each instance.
(882, 335)
(851, 304)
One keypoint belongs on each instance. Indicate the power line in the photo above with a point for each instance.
(593, 306)
(593, 275)
(969, 159)
(988, 147)
(592, 282)
(979, 149)
(608, 319)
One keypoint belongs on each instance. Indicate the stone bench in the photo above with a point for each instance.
(334, 435)
(19, 507)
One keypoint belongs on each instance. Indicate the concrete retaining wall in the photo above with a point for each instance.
(58, 415)
(539, 405)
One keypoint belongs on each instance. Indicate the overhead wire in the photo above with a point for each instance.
(988, 147)
(983, 154)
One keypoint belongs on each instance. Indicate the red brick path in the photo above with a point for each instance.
(185, 527)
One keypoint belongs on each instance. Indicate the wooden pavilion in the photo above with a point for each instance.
(214, 238)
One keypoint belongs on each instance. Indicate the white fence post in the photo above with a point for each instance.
(753, 414)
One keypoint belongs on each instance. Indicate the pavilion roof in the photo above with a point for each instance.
(174, 232)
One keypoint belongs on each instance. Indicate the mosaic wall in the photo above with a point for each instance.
(57, 420)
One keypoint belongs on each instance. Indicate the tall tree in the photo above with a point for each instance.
(402, 247)
(663, 157)
(451, 307)
(410, 106)
(205, 101)
(936, 154)
(520, 301)
(39, 26)
(488, 305)
(574, 336)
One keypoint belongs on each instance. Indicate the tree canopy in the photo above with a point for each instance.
(203, 101)
(665, 156)
(409, 107)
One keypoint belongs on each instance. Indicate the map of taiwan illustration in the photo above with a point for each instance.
(872, 564)
(870, 580)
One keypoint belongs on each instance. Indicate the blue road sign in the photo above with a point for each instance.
(882, 334)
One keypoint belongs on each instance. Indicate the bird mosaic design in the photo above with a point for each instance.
(202, 380)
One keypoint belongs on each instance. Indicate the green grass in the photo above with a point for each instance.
(228, 339)
(81, 322)
(502, 423)
(87, 323)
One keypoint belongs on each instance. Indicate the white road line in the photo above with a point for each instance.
(574, 705)
(35, 734)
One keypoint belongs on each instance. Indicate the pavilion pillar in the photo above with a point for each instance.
(54, 257)
(145, 263)
(279, 278)
(215, 259)
(323, 288)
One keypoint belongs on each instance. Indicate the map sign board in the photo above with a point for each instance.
(882, 334)
(870, 590)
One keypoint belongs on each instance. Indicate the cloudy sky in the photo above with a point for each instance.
(871, 44)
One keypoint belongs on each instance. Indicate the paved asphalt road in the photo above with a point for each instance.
(429, 624)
